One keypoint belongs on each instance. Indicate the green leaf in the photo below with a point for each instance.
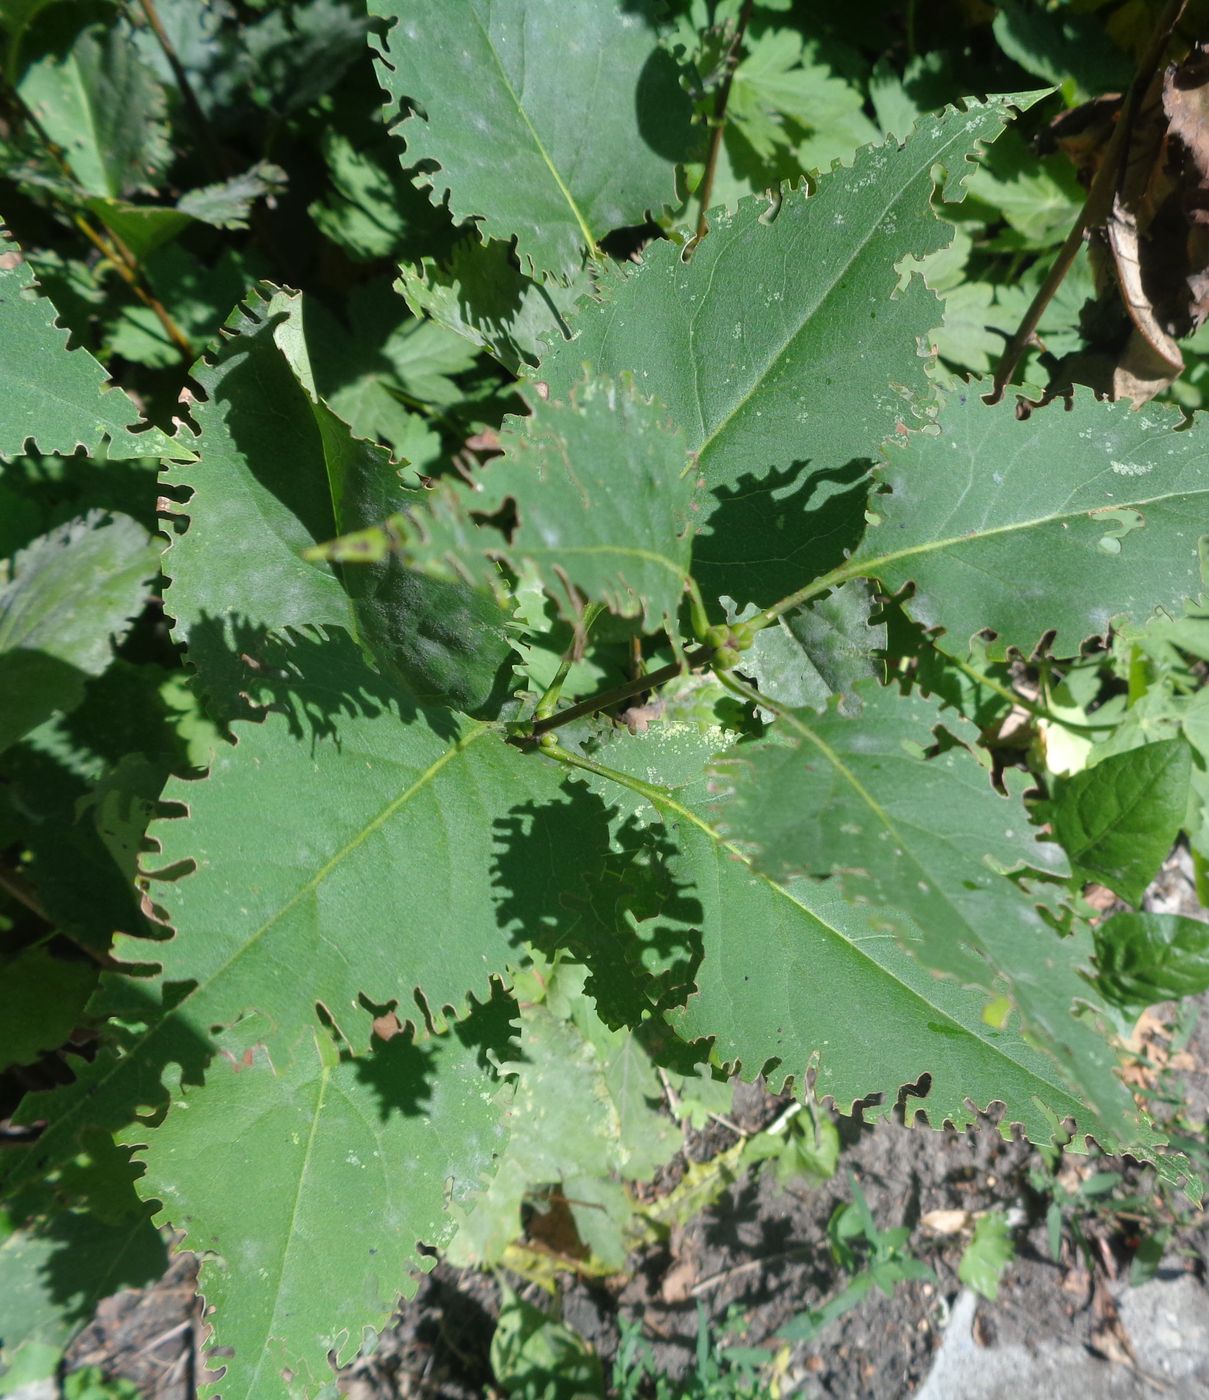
(536, 1357)
(1148, 958)
(54, 1274)
(272, 484)
(987, 1255)
(305, 1179)
(1117, 820)
(57, 400)
(1039, 199)
(551, 122)
(143, 228)
(388, 825)
(1066, 521)
(785, 970)
(484, 296)
(371, 209)
(45, 1002)
(819, 650)
(602, 489)
(72, 593)
(753, 347)
(97, 102)
(1062, 47)
(919, 844)
(228, 203)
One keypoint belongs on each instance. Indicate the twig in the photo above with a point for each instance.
(1097, 204)
(124, 264)
(593, 703)
(748, 1266)
(198, 118)
(23, 893)
(718, 120)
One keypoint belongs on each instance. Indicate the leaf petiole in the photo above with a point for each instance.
(549, 698)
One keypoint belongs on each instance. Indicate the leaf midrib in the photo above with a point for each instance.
(131, 1053)
(589, 237)
(291, 1233)
(868, 565)
(716, 836)
(808, 317)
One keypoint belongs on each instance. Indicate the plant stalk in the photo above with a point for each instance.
(694, 660)
(718, 120)
(123, 262)
(1096, 206)
(549, 698)
(197, 117)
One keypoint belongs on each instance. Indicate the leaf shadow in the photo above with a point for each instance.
(402, 1067)
(768, 536)
(664, 111)
(314, 676)
(571, 881)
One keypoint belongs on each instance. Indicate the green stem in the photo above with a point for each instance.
(753, 696)
(1040, 711)
(823, 584)
(650, 791)
(718, 121)
(693, 660)
(546, 705)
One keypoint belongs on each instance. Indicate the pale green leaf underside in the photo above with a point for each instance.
(305, 1181)
(918, 845)
(782, 347)
(550, 123)
(1065, 521)
(53, 399)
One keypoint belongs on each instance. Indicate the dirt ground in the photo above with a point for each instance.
(760, 1255)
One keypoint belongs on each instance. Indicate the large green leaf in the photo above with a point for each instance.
(307, 1177)
(279, 472)
(97, 101)
(782, 348)
(1117, 820)
(551, 121)
(598, 491)
(57, 400)
(1063, 522)
(919, 843)
(72, 594)
(382, 874)
(791, 978)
